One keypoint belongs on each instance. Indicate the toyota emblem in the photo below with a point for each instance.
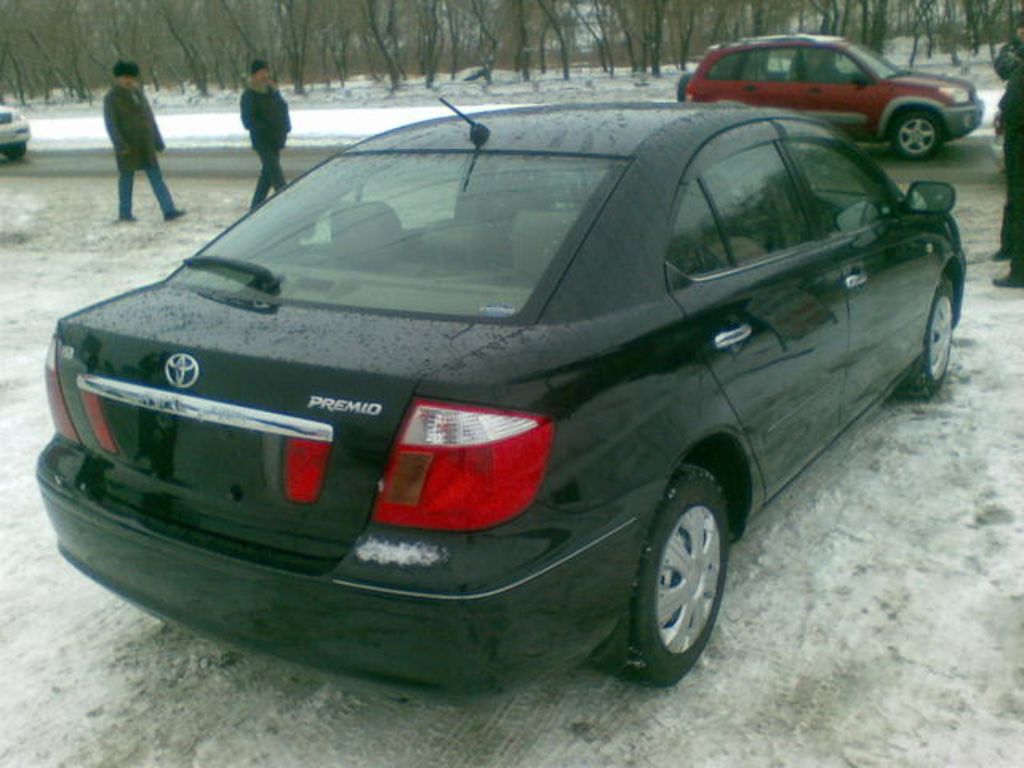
(181, 370)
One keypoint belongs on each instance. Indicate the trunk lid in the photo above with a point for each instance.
(346, 375)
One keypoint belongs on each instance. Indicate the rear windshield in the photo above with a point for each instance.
(437, 233)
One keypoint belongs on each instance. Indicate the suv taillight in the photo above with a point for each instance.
(462, 468)
(58, 406)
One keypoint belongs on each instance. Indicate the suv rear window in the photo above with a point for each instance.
(436, 233)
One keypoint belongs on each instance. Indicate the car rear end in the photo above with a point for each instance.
(14, 133)
(268, 464)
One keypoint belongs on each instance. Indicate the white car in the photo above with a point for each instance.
(14, 133)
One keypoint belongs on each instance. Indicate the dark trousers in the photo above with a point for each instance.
(1013, 213)
(271, 175)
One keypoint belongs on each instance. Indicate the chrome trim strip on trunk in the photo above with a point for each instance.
(202, 409)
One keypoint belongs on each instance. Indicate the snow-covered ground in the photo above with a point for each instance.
(874, 614)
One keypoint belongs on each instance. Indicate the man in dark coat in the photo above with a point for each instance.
(265, 116)
(132, 129)
(1010, 66)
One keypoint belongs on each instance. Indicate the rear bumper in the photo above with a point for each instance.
(455, 642)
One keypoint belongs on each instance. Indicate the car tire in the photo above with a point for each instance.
(929, 371)
(680, 580)
(16, 153)
(916, 135)
(684, 81)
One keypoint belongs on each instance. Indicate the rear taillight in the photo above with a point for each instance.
(58, 406)
(98, 421)
(463, 468)
(305, 465)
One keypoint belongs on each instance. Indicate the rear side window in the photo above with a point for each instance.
(846, 194)
(696, 245)
(444, 233)
(770, 65)
(753, 194)
(727, 68)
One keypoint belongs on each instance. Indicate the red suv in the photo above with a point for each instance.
(845, 83)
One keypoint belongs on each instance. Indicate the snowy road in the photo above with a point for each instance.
(874, 615)
(966, 161)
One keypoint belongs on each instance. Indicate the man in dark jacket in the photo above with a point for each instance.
(132, 129)
(265, 116)
(1010, 66)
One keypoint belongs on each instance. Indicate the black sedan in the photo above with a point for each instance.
(464, 405)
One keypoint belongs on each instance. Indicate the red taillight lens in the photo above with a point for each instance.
(98, 421)
(58, 406)
(462, 468)
(305, 466)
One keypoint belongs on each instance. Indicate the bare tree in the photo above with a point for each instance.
(487, 16)
(429, 38)
(522, 39)
(179, 18)
(381, 19)
(295, 18)
(596, 16)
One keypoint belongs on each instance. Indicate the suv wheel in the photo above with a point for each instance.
(16, 152)
(916, 135)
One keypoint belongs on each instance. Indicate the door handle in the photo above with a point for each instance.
(733, 336)
(855, 280)
(815, 91)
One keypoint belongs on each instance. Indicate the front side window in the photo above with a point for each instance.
(846, 195)
(754, 197)
(824, 65)
(877, 63)
(441, 233)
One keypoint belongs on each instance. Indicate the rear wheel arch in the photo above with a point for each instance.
(725, 458)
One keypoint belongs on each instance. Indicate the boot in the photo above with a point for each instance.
(1010, 281)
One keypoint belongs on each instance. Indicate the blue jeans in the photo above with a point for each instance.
(125, 183)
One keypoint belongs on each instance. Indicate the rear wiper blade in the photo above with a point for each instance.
(262, 278)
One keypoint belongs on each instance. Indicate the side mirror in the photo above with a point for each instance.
(930, 197)
(861, 81)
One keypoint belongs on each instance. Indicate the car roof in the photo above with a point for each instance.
(783, 39)
(610, 130)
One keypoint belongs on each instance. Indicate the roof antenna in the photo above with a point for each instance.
(478, 132)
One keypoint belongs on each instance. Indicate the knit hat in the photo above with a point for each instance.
(257, 65)
(123, 68)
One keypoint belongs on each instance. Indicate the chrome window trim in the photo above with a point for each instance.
(203, 409)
